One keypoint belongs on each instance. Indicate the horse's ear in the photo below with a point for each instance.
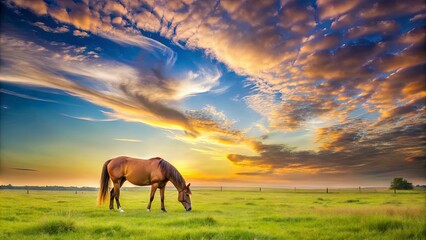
(189, 190)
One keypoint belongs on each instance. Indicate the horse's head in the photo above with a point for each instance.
(185, 198)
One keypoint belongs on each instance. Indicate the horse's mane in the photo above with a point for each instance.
(171, 172)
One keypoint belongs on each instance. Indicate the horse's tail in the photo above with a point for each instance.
(103, 189)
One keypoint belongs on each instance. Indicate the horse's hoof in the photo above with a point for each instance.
(164, 210)
(121, 210)
(148, 210)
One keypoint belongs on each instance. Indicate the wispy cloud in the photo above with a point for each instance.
(25, 169)
(91, 119)
(5, 91)
(131, 95)
(127, 140)
(258, 173)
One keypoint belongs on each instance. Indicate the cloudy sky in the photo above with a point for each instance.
(254, 93)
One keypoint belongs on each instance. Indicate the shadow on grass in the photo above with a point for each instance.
(53, 227)
(288, 219)
(352, 201)
(229, 235)
(207, 221)
(243, 234)
(260, 198)
(112, 232)
(393, 202)
(107, 231)
(10, 218)
(385, 225)
(238, 198)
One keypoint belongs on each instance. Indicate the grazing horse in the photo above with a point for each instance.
(155, 172)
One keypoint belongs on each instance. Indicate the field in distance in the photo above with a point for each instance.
(215, 215)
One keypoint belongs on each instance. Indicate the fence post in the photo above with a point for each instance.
(359, 188)
(28, 191)
(221, 188)
(260, 189)
(294, 189)
(326, 190)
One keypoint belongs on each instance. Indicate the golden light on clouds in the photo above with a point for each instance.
(228, 90)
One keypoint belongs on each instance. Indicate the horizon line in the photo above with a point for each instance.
(219, 186)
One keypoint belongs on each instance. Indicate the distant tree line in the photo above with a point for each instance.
(62, 188)
(48, 188)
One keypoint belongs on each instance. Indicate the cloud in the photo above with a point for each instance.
(128, 140)
(5, 91)
(37, 6)
(59, 13)
(41, 25)
(25, 169)
(309, 61)
(91, 119)
(286, 60)
(114, 7)
(383, 28)
(384, 8)
(334, 8)
(254, 173)
(302, 60)
(418, 17)
(79, 33)
(215, 126)
(147, 20)
(94, 18)
(21, 67)
(138, 95)
(117, 20)
(348, 149)
(157, 84)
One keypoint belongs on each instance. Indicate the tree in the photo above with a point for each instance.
(400, 183)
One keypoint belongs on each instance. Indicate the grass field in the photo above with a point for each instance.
(215, 215)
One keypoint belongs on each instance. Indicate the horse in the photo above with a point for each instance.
(155, 172)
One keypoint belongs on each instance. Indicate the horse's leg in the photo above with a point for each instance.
(162, 198)
(111, 199)
(117, 186)
(151, 198)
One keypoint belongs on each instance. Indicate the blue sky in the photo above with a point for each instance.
(283, 93)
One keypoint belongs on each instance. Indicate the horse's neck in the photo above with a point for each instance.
(178, 186)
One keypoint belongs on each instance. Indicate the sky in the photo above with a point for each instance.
(236, 93)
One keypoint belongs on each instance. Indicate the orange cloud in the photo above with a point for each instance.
(37, 6)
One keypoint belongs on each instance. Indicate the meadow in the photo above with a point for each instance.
(216, 214)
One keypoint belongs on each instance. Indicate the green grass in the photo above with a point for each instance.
(216, 215)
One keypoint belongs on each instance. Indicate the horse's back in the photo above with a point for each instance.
(137, 171)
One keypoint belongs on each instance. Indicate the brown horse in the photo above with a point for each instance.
(155, 172)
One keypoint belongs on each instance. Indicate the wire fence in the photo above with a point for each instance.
(269, 189)
(287, 189)
(284, 189)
